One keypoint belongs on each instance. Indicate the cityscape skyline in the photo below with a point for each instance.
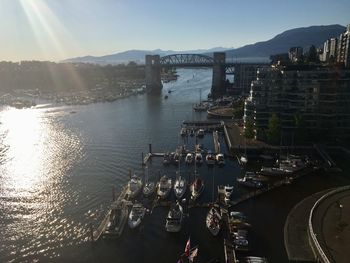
(58, 30)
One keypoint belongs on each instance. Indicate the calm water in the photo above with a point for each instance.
(58, 166)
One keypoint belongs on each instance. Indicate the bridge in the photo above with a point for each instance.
(155, 64)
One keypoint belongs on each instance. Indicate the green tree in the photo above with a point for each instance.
(273, 132)
(249, 129)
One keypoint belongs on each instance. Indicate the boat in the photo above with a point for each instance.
(148, 189)
(255, 176)
(210, 158)
(250, 182)
(164, 187)
(166, 159)
(200, 133)
(117, 217)
(189, 158)
(228, 192)
(192, 132)
(198, 158)
(180, 187)
(136, 215)
(199, 148)
(134, 186)
(197, 188)
(220, 160)
(201, 106)
(244, 159)
(183, 132)
(174, 218)
(213, 220)
(176, 158)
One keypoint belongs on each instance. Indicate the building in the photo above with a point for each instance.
(343, 54)
(295, 54)
(321, 96)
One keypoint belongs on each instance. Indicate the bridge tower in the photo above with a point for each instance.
(152, 70)
(218, 87)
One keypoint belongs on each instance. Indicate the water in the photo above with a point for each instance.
(58, 166)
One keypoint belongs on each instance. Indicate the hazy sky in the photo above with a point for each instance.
(59, 29)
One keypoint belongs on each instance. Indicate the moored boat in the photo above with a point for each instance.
(213, 220)
(180, 187)
(183, 132)
(164, 187)
(220, 160)
(249, 182)
(198, 158)
(149, 188)
(174, 218)
(134, 186)
(136, 215)
(189, 158)
(210, 158)
(200, 133)
(197, 188)
(117, 217)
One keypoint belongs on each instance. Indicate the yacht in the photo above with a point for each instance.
(189, 158)
(244, 159)
(220, 159)
(148, 189)
(200, 133)
(183, 132)
(116, 219)
(197, 188)
(198, 158)
(228, 190)
(213, 220)
(166, 159)
(134, 186)
(174, 218)
(164, 187)
(136, 215)
(210, 158)
(180, 187)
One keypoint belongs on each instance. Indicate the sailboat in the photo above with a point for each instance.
(200, 106)
(136, 215)
(180, 185)
(174, 218)
(213, 220)
(197, 187)
(149, 187)
(134, 186)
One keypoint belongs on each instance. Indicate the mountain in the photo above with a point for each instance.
(303, 36)
(258, 52)
(137, 55)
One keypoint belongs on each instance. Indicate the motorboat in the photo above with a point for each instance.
(148, 189)
(199, 147)
(166, 159)
(192, 132)
(210, 158)
(176, 158)
(174, 218)
(183, 132)
(213, 220)
(134, 186)
(200, 106)
(244, 159)
(180, 187)
(136, 215)
(200, 133)
(255, 176)
(164, 187)
(116, 219)
(197, 188)
(228, 190)
(250, 182)
(220, 160)
(189, 158)
(198, 158)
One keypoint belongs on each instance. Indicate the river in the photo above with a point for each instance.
(58, 165)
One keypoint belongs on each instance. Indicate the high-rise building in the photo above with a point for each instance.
(343, 54)
(320, 95)
(295, 53)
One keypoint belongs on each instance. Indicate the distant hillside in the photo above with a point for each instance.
(136, 55)
(304, 37)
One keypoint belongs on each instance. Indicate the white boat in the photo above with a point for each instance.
(189, 158)
(197, 188)
(183, 132)
(198, 158)
(210, 158)
(174, 218)
(166, 159)
(220, 160)
(213, 220)
(134, 186)
(148, 189)
(117, 217)
(228, 190)
(200, 133)
(244, 159)
(136, 215)
(180, 187)
(199, 148)
(255, 176)
(164, 187)
(201, 106)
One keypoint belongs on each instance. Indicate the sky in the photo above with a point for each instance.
(59, 29)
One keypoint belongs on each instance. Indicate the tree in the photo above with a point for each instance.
(312, 55)
(249, 129)
(274, 129)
